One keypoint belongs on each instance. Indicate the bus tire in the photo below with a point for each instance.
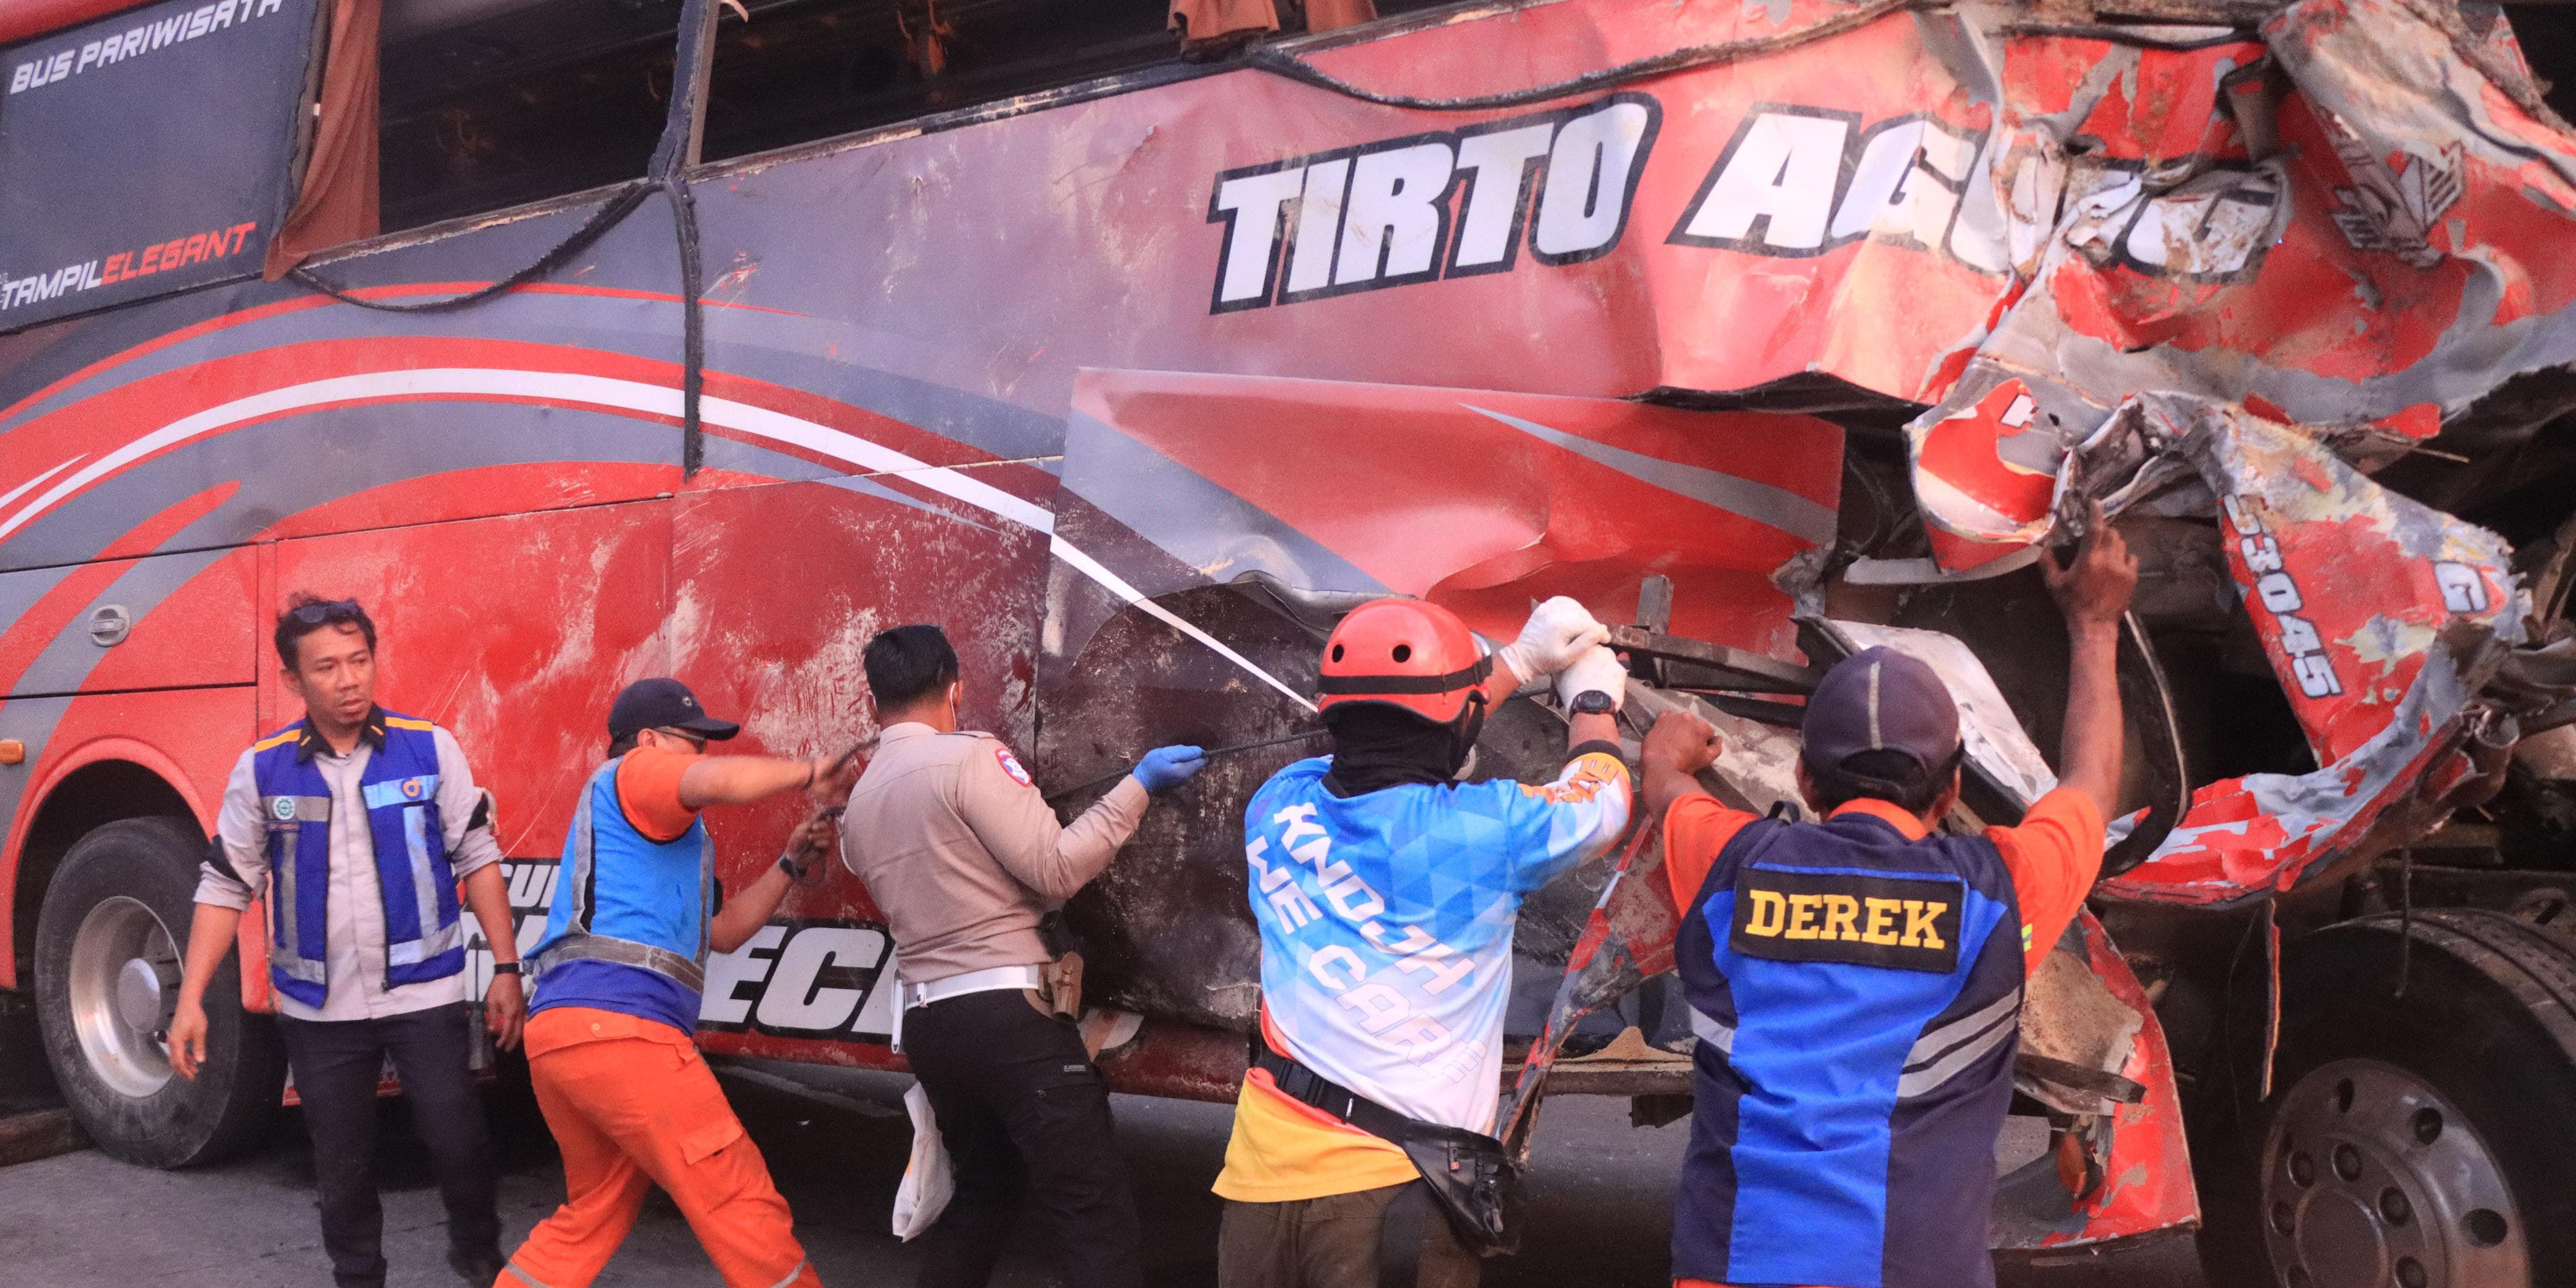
(108, 944)
(2419, 1138)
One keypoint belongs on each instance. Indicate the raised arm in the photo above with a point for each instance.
(1019, 829)
(2093, 592)
(1676, 749)
(740, 780)
(748, 909)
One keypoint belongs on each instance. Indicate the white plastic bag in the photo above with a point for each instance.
(927, 1180)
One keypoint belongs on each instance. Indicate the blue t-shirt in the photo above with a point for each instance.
(1386, 921)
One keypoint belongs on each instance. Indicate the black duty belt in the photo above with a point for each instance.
(624, 952)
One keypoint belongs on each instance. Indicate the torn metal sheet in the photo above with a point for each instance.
(2381, 617)
(1479, 500)
(2354, 223)
(2086, 1008)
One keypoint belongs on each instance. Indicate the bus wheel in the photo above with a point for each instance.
(2419, 1137)
(108, 945)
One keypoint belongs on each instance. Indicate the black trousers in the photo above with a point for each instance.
(1021, 1108)
(337, 1066)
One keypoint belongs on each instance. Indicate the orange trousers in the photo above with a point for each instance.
(631, 1104)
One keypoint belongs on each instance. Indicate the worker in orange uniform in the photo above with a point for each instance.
(1855, 983)
(618, 974)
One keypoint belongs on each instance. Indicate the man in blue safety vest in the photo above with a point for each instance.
(359, 824)
(635, 912)
(1856, 983)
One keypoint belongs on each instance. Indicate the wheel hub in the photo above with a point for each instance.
(2372, 1179)
(123, 964)
(139, 989)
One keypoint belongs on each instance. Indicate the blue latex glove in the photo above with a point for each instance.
(1168, 767)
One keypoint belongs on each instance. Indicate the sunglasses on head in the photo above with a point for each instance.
(337, 610)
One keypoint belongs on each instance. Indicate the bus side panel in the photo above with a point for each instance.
(512, 632)
(776, 591)
(187, 737)
(264, 411)
(166, 622)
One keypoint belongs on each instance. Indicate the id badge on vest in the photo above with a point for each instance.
(1800, 915)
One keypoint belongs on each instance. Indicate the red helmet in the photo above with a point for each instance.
(1407, 653)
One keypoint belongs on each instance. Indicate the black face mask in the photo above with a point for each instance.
(1377, 746)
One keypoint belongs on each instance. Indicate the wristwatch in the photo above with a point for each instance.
(507, 968)
(1593, 702)
(796, 869)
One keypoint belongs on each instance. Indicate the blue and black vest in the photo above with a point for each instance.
(1857, 999)
(617, 884)
(424, 939)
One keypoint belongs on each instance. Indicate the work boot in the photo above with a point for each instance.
(479, 1266)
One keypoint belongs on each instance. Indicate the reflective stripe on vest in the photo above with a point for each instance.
(620, 884)
(423, 926)
(1856, 996)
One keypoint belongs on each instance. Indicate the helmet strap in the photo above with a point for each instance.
(1469, 726)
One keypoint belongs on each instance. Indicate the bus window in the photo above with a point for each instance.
(492, 103)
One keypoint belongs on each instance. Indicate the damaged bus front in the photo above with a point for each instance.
(1769, 332)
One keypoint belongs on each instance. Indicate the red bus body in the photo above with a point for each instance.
(1058, 373)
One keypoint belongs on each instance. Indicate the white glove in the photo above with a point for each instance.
(1557, 633)
(1597, 668)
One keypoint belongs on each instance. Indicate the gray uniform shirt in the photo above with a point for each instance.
(964, 855)
(354, 909)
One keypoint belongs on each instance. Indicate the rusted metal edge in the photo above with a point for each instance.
(1753, 672)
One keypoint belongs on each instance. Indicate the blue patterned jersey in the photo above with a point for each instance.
(1386, 921)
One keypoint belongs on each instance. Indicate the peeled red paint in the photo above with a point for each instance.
(2373, 609)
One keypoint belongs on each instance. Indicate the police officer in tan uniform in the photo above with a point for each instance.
(965, 857)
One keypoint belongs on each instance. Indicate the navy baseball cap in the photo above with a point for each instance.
(1881, 700)
(663, 703)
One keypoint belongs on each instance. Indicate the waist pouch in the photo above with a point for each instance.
(1466, 1173)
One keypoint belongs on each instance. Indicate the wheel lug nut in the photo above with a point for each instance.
(2303, 1169)
(2282, 1218)
(2410, 1273)
(2347, 1162)
(2428, 1125)
(2394, 1207)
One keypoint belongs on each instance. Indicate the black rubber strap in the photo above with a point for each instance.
(1602, 746)
(1461, 678)
(1399, 1237)
(1308, 1087)
(1280, 63)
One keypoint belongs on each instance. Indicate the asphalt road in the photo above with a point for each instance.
(836, 1142)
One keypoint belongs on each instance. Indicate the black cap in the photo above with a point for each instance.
(1881, 700)
(663, 703)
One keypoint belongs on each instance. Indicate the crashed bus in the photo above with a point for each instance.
(1770, 332)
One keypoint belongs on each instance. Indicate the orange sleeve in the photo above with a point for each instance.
(2053, 854)
(648, 790)
(1695, 829)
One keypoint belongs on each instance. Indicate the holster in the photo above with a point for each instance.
(1062, 995)
(1470, 1179)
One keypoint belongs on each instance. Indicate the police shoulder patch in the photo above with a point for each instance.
(1011, 766)
(1906, 923)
